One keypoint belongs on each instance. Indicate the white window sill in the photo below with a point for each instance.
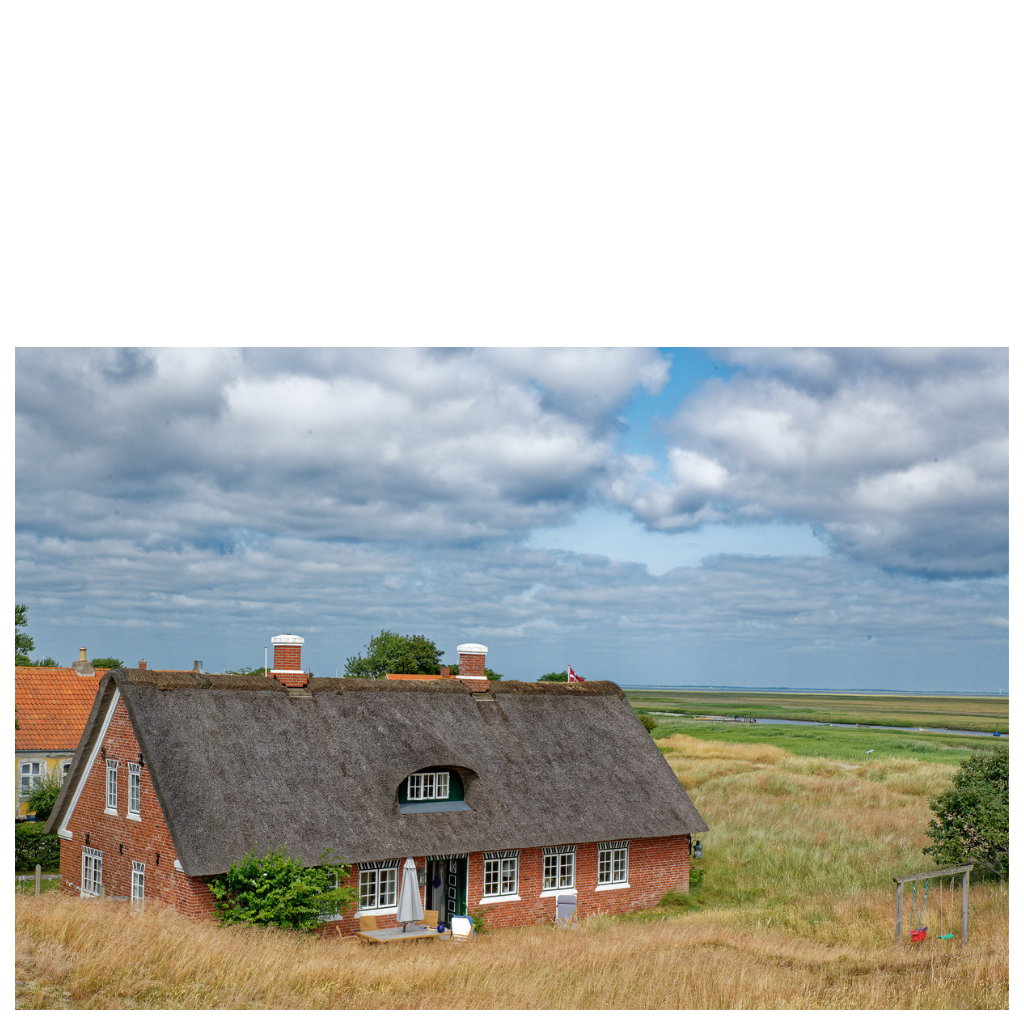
(65, 833)
(133, 817)
(110, 810)
(377, 912)
(559, 892)
(178, 867)
(509, 898)
(612, 885)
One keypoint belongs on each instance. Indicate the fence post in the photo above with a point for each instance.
(39, 879)
(899, 911)
(963, 907)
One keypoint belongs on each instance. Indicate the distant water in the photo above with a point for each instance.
(846, 725)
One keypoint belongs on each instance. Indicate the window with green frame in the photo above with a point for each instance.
(435, 785)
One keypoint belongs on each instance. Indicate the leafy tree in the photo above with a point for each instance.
(972, 821)
(554, 677)
(277, 890)
(246, 671)
(23, 643)
(107, 663)
(392, 652)
(45, 663)
(44, 794)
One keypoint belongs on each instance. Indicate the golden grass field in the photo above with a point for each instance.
(794, 908)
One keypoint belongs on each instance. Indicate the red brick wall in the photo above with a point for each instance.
(655, 867)
(471, 664)
(287, 657)
(122, 840)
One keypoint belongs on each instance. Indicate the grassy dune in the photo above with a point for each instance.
(933, 711)
(792, 908)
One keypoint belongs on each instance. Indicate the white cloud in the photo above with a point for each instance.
(900, 457)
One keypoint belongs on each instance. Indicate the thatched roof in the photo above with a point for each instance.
(239, 762)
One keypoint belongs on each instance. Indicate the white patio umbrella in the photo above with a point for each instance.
(410, 906)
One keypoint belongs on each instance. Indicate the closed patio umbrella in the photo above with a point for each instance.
(410, 906)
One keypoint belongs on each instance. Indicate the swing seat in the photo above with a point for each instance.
(918, 934)
(949, 936)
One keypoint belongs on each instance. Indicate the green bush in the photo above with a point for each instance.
(44, 794)
(972, 821)
(31, 847)
(647, 721)
(277, 890)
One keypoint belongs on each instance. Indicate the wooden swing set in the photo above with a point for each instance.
(919, 906)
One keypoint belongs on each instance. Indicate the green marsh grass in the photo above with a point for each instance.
(936, 711)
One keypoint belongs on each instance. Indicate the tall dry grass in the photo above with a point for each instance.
(793, 908)
(92, 954)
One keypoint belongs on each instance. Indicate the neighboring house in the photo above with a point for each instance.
(53, 705)
(505, 793)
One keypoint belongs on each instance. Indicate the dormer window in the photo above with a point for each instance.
(428, 786)
(433, 789)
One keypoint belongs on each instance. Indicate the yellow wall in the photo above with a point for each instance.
(21, 808)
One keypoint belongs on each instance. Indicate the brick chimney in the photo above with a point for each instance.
(471, 667)
(142, 665)
(288, 659)
(83, 666)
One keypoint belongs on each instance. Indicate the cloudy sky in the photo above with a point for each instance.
(762, 517)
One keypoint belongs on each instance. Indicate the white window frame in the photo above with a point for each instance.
(92, 871)
(370, 882)
(111, 807)
(33, 778)
(428, 786)
(559, 865)
(138, 882)
(65, 767)
(501, 874)
(613, 865)
(135, 791)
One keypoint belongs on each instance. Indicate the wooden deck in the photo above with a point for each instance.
(414, 931)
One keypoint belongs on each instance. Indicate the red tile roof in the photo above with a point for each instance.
(53, 706)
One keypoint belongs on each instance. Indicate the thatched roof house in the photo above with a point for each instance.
(237, 762)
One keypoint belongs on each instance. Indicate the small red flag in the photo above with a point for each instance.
(573, 678)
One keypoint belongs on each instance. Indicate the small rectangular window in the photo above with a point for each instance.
(112, 785)
(32, 773)
(134, 789)
(428, 786)
(138, 881)
(501, 874)
(559, 868)
(92, 871)
(611, 866)
(378, 887)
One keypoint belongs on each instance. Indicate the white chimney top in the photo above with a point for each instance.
(472, 649)
(287, 640)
